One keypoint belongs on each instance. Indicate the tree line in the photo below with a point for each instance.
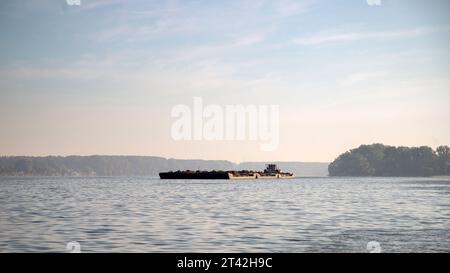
(99, 165)
(382, 160)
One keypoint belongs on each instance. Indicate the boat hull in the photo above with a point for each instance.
(194, 175)
(222, 175)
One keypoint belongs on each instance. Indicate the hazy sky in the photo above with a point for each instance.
(102, 78)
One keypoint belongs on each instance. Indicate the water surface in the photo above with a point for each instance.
(298, 215)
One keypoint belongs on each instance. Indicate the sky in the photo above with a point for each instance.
(102, 77)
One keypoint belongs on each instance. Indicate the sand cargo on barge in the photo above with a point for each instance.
(271, 172)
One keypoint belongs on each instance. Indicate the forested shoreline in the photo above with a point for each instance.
(101, 165)
(382, 160)
(366, 160)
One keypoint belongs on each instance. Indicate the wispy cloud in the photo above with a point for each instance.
(323, 38)
(86, 68)
(289, 7)
(359, 77)
(179, 18)
(95, 4)
(161, 27)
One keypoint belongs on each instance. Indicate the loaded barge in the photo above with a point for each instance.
(271, 172)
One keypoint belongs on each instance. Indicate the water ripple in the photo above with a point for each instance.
(150, 215)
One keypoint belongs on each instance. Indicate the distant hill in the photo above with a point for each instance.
(133, 166)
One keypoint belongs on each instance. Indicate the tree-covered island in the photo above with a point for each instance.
(382, 160)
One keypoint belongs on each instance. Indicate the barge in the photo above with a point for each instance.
(271, 172)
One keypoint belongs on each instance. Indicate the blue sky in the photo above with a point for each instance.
(101, 78)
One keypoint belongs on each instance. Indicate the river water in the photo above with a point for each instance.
(140, 214)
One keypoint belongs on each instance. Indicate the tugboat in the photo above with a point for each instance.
(271, 172)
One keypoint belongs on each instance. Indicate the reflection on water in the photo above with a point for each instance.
(298, 215)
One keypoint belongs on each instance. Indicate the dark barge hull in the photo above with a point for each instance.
(222, 175)
(194, 175)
